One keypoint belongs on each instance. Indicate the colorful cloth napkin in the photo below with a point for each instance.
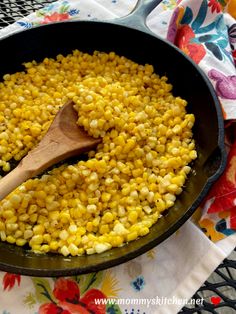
(155, 282)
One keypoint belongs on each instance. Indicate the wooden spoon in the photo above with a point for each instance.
(63, 139)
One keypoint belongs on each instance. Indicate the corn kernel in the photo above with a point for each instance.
(10, 239)
(108, 217)
(132, 236)
(63, 235)
(104, 229)
(36, 239)
(65, 251)
(53, 245)
(21, 242)
(38, 229)
(143, 231)
(73, 249)
(133, 216)
(102, 247)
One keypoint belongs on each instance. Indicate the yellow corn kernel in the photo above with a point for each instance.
(107, 217)
(172, 188)
(133, 216)
(72, 229)
(102, 247)
(7, 214)
(95, 221)
(193, 154)
(105, 197)
(169, 197)
(45, 248)
(35, 131)
(53, 245)
(132, 236)
(104, 229)
(73, 249)
(65, 251)
(33, 218)
(89, 226)
(24, 217)
(41, 194)
(32, 209)
(81, 231)
(28, 234)
(65, 217)
(3, 235)
(15, 199)
(160, 205)
(12, 220)
(63, 235)
(178, 180)
(36, 239)
(42, 219)
(10, 239)
(11, 226)
(143, 231)
(169, 203)
(7, 166)
(117, 241)
(21, 242)
(36, 248)
(2, 226)
(38, 229)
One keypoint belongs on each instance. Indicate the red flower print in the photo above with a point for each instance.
(222, 197)
(66, 290)
(67, 293)
(234, 56)
(9, 281)
(233, 219)
(183, 40)
(223, 193)
(76, 309)
(89, 300)
(55, 17)
(52, 308)
(215, 6)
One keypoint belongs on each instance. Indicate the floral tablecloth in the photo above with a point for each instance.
(162, 279)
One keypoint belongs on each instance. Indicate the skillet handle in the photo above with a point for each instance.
(137, 18)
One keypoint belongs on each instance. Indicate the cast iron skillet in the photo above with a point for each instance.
(130, 37)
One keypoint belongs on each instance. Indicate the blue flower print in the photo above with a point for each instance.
(138, 283)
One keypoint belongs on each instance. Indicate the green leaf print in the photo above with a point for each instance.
(188, 16)
(208, 37)
(223, 2)
(200, 16)
(40, 13)
(215, 50)
(29, 300)
(88, 281)
(113, 309)
(43, 290)
(64, 8)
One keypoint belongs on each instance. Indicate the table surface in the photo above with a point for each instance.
(222, 282)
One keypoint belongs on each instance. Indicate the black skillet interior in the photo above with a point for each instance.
(50, 40)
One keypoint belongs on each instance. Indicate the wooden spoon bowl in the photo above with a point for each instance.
(63, 139)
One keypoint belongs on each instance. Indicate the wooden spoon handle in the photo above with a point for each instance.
(11, 181)
(35, 162)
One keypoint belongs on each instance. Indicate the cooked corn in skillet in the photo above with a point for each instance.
(134, 175)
